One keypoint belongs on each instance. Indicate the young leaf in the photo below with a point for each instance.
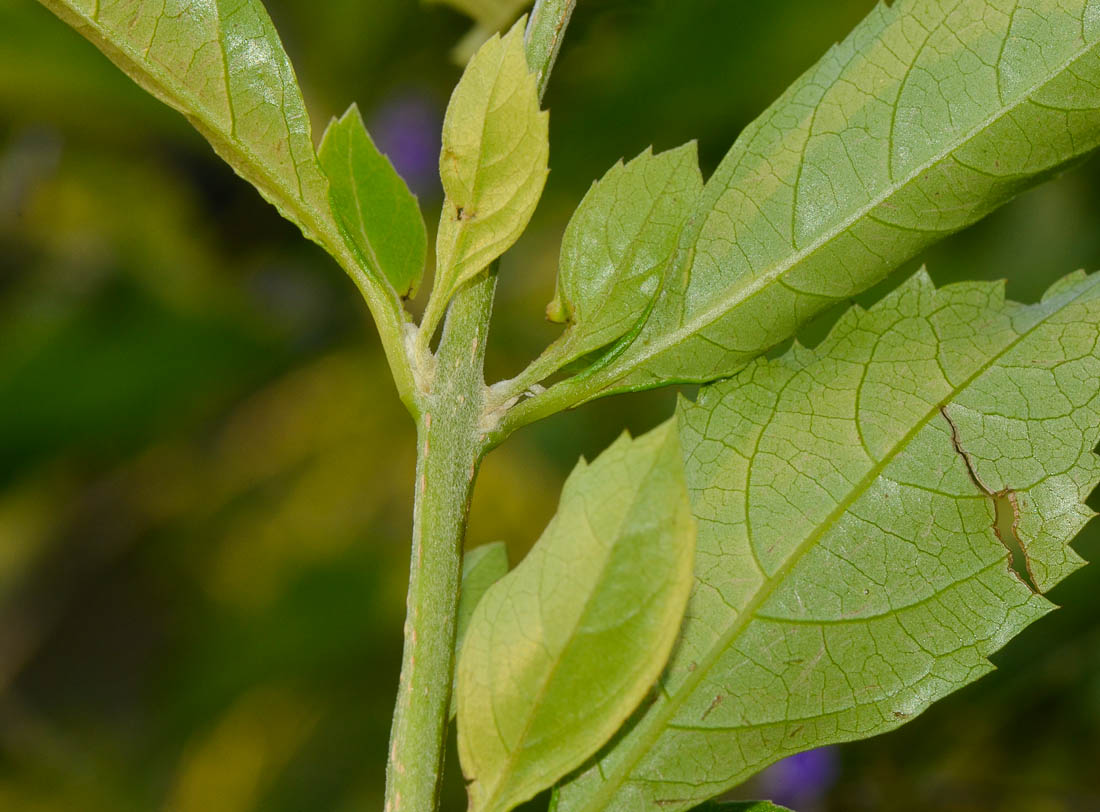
(852, 564)
(617, 245)
(562, 649)
(493, 163)
(481, 568)
(928, 116)
(373, 204)
(220, 63)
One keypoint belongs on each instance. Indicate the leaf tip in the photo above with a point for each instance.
(352, 112)
(922, 279)
(514, 34)
(1066, 282)
(684, 399)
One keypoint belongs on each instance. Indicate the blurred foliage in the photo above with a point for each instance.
(205, 474)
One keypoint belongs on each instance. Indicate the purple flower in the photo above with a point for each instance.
(802, 779)
(406, 128)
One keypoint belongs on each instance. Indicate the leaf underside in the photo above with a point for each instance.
(848, 571)
(925, 118)
(493, 163)
(562, 649)
(617, 246)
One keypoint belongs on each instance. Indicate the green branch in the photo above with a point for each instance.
(451, 441)
(545, 32)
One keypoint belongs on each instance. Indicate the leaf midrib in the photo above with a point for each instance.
(658, 724)
(757, 283)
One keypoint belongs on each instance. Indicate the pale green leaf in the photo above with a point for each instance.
(493, 163)
(848, 572)
(617, 246)
(373, 204)
(221, 64)
(562, 649)
(481, 568)
(929, 115)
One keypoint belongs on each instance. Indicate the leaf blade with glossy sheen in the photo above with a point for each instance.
(562, 650)
(493, 163)
(848, 572)
(928, 116)
(617, 244)
(373, 204)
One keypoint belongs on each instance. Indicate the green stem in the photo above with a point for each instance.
(390, 319)
(532, 407)
(451, 440)
(450, 444)
(545, 32)
(504, 394)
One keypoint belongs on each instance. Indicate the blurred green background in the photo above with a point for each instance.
(204, 470)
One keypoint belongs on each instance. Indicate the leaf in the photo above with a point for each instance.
(481, 568)
(562, 649)
(742, 806)
(848, 573)
(221, 64)
(373, 204)
(927, 117)
(617, 245)
(493, 163)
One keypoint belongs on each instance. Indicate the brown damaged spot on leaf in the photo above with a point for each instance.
(451, 157)
(1006, 513)
(717, 701)
(1006, 526)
